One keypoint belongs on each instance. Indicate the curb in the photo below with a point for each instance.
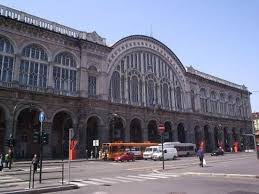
(44, 189)
(222, 175)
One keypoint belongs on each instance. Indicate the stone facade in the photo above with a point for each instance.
(108, 93)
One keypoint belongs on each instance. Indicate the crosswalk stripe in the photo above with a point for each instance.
(129, 178)
(150, 178)
(5, 177)
(153, 175)
(92, 182)
(10, 180)
(101, 180)
(78, 184)
(117, 179)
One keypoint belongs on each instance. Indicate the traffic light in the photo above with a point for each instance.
(45, 138)
(36, 137)
(10, 142)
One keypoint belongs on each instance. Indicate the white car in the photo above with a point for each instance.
(149, 151)
(169, 154)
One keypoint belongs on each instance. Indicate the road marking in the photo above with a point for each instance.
(130, 179)
(153, 175)
(150, 178)
(91, 182)
(101, 180)
(118, 179)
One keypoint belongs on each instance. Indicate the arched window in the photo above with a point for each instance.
(64, 72)
(151, 93)
(238, 108)
(6, 60)
(222, 104)
(115, 86)
(165, 96)
(213, 102)
(178, 98)
(34, 66)
(193, 100)
(203, 100)
(134, 89)
(230, 106)
(92, 86)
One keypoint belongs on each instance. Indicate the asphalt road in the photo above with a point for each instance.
(231, 173)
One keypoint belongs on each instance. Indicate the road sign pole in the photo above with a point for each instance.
(69, 154)
(162, 142)
(41, 150)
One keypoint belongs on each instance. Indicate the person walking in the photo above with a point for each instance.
(6, 158)
(1, 162)
(200, 154)
(35, 163)
(10, 153)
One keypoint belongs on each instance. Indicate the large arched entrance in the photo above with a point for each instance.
(60, 134)
(168, 135)
(117, 132)
(92, 133)
(2, 129)
(27, 124)
(207, 139)
(181, 133)
(216, 137)
(198, 136)
(226, 140)
(152, 132)
(135, 131)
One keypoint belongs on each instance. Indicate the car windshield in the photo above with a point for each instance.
(148, 150)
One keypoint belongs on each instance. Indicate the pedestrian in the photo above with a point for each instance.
(35, 163)
(86, 152)
(6, 158)
(1, 162)
(200, 154)
(10, 152)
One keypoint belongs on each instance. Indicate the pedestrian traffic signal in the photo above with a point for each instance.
(45, 138)
(36, 137)
(10, 142)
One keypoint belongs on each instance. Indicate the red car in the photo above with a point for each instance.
(127, 156)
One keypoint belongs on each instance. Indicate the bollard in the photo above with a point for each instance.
(33, 179)
(62, 173)
(30, 178)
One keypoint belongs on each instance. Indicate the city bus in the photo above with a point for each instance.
(111, 150)
(183, 149)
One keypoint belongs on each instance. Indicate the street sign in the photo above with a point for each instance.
(96, 142)
(71, 133)
(161, 128)
(41, 117)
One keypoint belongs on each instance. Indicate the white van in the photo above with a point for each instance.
(169, 154)
(149, 151)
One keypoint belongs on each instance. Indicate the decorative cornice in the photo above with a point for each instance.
(51, 26)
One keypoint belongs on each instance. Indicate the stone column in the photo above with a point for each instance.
(50, 83)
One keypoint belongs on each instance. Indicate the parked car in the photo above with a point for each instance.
(217, 152)
(127, 156)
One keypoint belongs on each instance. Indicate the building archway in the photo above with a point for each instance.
(62, 121)
(226, 140)
(207, 139)
(152, 132)
(2, 129)
(135, 131)
(198, 136)
(181, 133)
(216, 137)
(117, 131)
(92, 133)
(27, 123)
(168, 135)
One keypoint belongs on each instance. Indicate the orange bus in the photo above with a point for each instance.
(111, 150)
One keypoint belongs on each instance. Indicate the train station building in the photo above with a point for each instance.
(107, 93)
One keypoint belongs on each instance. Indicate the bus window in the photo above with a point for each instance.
(115, 149)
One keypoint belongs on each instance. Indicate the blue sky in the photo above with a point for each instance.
(219, 37)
